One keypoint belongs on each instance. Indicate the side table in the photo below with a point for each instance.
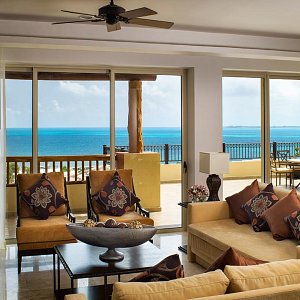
(183, 204)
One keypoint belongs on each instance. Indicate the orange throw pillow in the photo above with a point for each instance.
(275, 215)
(233, 257)
(237, 200)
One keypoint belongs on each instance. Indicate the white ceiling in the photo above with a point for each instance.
(259, 17)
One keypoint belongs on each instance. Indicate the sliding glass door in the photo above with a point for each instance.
(242, 131)
(149, 140)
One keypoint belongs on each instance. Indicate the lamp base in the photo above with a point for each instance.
(213, 182)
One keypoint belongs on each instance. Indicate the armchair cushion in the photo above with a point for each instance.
(43, 198)
(25, 181)
(98, 179)
(39, 231)
(167, 269)
(116, 197)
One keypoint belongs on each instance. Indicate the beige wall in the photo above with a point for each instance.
(146, 175)
(170, 173)
(244, 169)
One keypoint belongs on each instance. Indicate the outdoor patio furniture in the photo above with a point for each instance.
(281, 167)
(96, 181)
(36, 236)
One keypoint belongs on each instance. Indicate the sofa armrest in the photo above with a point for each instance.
(75, 297)
(207, 211)
(286, 292)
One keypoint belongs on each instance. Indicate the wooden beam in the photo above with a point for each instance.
(77, 76)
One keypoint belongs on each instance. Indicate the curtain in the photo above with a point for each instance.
(2, 151)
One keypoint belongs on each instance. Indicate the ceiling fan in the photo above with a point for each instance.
(113, 14)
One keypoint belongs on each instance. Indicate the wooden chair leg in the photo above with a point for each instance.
(19, 262)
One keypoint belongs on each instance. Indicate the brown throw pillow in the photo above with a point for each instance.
(168, 269)
(116, 197)
(233, 257)
(43, 198)
(293, 221)
(237, 200)
(275, 215)
(259, 204)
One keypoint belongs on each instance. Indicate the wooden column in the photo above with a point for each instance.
(135, 133)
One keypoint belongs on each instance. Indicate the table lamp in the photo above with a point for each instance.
(213, 163)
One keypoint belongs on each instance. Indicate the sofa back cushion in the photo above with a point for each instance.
(207, 284)
(278, 273)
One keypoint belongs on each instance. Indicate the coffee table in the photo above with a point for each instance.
(82, 261)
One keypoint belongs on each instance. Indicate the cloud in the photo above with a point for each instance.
(83, 89)
(235, 87)
(56, 106)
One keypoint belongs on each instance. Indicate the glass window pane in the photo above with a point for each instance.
(241, 131)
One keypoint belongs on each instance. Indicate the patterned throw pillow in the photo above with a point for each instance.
(233, 257)
(168, 269)
(293, 220)
(256, 206)
(43, 198)
(116, 197)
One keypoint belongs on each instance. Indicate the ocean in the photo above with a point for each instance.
(80, 141)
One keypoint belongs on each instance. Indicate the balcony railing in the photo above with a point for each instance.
(168, 153)
(240, 151)
(75, 168)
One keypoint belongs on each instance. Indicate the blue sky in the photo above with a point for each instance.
(241, 102)
(86, 104)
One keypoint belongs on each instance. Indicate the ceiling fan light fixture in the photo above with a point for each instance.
(113, 14)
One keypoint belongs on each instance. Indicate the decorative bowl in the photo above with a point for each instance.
(111, 238)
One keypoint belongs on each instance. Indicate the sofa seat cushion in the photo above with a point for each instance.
(127, 217)
(259, 245)
(277, 273)
(39, 231)
(208, 284)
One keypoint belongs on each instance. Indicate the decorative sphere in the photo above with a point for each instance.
(110, 223)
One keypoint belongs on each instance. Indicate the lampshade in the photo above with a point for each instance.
(214, 162)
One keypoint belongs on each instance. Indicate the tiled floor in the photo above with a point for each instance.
(36, 278)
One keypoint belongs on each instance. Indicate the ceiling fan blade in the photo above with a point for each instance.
(78, 13)
(65, 22)
(139, 12)
(113, 27)
(151, 23)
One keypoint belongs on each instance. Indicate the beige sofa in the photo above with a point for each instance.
(273, 281)
(212, 230)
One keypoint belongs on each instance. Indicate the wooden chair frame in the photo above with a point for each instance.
(94, 216)
(45, 251)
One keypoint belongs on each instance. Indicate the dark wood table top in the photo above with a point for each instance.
(82, 261)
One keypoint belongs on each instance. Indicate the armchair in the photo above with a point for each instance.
(35, 236)
(96, 181)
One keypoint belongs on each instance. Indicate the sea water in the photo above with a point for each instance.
(88, 141)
